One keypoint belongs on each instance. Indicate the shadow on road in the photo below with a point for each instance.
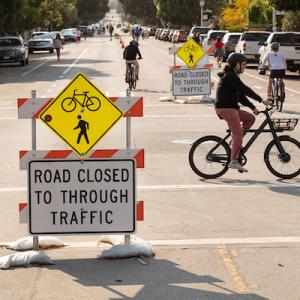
(159, 279)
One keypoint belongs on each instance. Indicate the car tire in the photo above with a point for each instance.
(27, 61)
(23, 62)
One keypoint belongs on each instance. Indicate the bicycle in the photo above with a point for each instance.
(130, 75)
(190, 48)
(209, 156)
(278, 93)
(91, 103)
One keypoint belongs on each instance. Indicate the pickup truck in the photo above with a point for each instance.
(248, 44)
(289, 46)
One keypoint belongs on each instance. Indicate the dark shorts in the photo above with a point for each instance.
(277, 73)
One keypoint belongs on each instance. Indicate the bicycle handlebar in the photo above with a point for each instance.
(268, 108)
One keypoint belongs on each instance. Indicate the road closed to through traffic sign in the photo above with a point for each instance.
(191, 82)
(82, 196)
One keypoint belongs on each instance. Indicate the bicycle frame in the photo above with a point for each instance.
(86, 97)
(256, 132)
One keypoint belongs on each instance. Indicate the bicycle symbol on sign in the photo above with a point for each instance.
(190, 48)
(91, 103)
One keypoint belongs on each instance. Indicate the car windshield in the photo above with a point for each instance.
(214, 35)
(255, 36)
(200, 30)
(289, 39)
(67, 31)
(41, 36)
(233, 38)
(10, 42)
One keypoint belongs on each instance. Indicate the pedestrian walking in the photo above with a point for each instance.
(219, 51)
(57, 45)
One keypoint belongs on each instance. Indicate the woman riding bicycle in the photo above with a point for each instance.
(231, 91)
(277, 66)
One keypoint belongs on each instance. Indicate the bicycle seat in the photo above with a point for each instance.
(129, 65)
(85, 92)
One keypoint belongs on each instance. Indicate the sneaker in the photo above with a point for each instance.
(236, 165)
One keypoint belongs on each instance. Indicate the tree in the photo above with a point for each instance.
(138, 11)
(285, 4)
(291, 21)
(260, 12)
(91, 10)
(234, 16)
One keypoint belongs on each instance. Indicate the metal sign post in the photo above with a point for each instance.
(33, 146)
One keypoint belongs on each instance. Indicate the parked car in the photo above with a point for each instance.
(248, 43)
(180, 36)
(158, 32)
(289, 46)
(70, 34)
(230, 40)
(170, 36)
(211, 38)
(164, 35)
(40, 41)
(54, 33)
(152, 31)
(198, 29)
(13, 49)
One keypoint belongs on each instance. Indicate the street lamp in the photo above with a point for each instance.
(201, 3)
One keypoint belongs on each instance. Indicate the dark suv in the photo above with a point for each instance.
(13, 50)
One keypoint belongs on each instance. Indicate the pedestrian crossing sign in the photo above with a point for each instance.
(191, 52)
(81, 115)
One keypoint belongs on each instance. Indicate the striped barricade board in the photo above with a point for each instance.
(27, 155)
(30, 108)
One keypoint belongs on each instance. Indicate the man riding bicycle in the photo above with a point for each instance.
(231, 91)
(277, 66)
(130, 53)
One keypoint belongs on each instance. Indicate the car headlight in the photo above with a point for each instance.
(19, 51)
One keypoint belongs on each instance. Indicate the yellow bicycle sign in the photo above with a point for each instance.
(191, 52)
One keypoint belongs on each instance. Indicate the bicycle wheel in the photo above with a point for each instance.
(281, 96)
(130, 80)
(206, 161)
(93, 103)
(283, 165)
(68, 104)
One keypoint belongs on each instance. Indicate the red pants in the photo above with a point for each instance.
(234, 118)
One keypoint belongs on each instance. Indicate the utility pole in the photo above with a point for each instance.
(201, 3)
(274, 27)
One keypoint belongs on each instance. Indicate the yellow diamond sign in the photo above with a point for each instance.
(191, 52)
(81, 115)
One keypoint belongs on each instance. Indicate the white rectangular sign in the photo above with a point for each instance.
(191, 82)
(82, 196)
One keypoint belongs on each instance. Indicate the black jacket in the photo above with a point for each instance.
(231, 91)
(130, 52)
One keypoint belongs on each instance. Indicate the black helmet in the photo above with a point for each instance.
(133, 42)
(275, 46)
(235, 58)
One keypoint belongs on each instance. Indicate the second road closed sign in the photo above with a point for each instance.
(82, 196)
(191, 82)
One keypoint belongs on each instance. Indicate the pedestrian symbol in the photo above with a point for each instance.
(84, 127)
(191, 52)
(81, 115)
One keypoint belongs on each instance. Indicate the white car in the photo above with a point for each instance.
(289, 43)
(249, 44)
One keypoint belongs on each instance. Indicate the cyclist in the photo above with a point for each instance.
(231, 91)
(277, 66)
(219, 51)
(130, 53)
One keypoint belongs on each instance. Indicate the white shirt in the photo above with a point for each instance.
(276, 61)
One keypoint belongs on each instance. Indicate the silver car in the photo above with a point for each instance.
(41, 41)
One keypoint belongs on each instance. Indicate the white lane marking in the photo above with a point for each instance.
(185, 142)
(198, 242)
(181, 116)
(264, 80)
(172, 187)
(74, 62)
(36, 67)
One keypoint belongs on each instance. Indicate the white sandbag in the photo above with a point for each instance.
(25, 259)
(127, 251)
(26, 243)
(119, 239)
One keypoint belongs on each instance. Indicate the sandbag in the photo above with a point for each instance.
(25, 259)
(26, 243)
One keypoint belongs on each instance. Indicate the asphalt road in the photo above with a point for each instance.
(236, 237)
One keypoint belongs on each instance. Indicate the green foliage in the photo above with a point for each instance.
(291, 21)
(285, 4)
(260, 12)
(137, 11)
(90, 11)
